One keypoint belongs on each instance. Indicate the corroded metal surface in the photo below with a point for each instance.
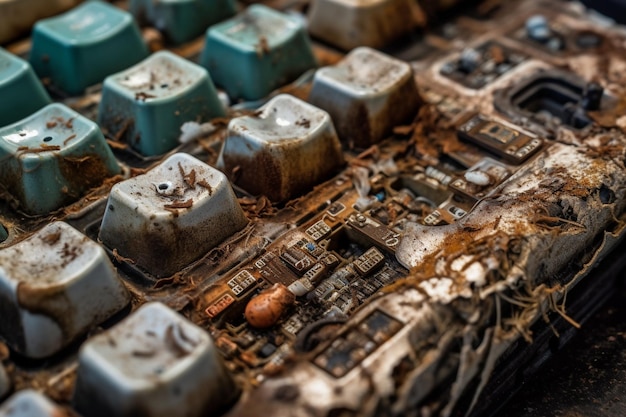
(395, 287)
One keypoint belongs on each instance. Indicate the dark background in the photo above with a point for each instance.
(587, 377)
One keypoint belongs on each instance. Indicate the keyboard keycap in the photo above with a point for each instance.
(30, 403)
(52, 158)
(169, 217)
(21, 91)
(81, 47)
(18, 16)
(147, 104)
(154, 363)
(366, 94)
(55, 286)
(284, 150)
(182, 20)
(348, 24)
(256, 52)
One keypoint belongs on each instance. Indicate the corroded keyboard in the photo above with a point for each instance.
(301, 208)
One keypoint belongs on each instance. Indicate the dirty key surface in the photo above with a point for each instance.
(279, 210)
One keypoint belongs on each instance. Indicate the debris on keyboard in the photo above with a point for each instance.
(301, 208)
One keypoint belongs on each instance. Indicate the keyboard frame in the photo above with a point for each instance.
(402, 375)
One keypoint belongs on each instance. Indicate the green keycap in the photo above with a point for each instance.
(256, 52)
(182, 20)
(21, 93)
(147, 104)
(52, 158)
(81, 47)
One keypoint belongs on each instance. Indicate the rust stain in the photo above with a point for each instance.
(179, 204)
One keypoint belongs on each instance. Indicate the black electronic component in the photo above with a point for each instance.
(368, 231)
(267, 350)
(318, 230)
(349, 349)
(477, 67)
(297, 260)
(552, 98)
(506, 142)
(243, 281)
(369, 262)
(274, 270)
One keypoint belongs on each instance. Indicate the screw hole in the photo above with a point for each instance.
(165, 188)
(47, 139)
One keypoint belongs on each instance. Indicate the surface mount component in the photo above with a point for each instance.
(375, 220)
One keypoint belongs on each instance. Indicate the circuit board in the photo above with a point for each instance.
(394, 272)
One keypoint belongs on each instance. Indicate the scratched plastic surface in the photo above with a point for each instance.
(282, 220)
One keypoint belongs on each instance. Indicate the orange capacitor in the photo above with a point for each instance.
(265, 309)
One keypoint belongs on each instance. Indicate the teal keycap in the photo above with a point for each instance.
(52, 158)
(21, 92)
(182, 20)
(256, 52)
(81, 47)
(147, 104)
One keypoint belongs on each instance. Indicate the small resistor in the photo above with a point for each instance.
(438, 175)
(301, 287)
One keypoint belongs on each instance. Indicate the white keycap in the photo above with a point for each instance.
(170, 216)
(83, 46)
(366, 95)
(55, 286)
(29, 403)
(284, 150)
(154, 363)
(348, 24)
